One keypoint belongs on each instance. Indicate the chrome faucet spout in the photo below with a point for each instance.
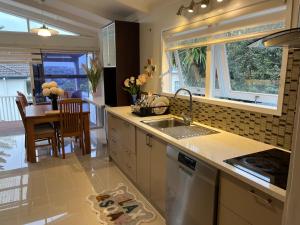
(187, 120)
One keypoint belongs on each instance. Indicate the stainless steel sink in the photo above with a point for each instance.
(178, 129)
(164, 123)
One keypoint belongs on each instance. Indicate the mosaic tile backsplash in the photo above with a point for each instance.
(274, 130)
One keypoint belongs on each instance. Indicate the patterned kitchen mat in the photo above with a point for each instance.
(120, 207)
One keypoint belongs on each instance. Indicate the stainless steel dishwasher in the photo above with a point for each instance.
(192, 190)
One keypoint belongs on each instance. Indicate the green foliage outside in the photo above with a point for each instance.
(193, 64)
(254, 69)
(250, 69)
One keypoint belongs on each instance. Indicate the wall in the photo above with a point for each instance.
(276, 130)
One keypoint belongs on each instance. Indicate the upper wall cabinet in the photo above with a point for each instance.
(121, 59)
(109, 46)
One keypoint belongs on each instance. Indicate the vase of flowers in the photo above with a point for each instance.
(52, 91)
(93, 73)
(133, 86)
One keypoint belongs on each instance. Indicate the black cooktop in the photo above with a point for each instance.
(271, 165)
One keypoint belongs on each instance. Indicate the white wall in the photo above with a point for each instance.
(165, 18)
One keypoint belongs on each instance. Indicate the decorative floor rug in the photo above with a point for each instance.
(119, 207)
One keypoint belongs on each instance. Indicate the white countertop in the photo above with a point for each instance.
(213, 149)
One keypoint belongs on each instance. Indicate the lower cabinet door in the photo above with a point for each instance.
(158, 174)
(227, 217)
(143, 161)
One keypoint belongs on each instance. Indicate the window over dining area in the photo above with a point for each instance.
(216, 63)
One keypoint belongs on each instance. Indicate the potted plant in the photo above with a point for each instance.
(93, 73)
(133, 86)
(52, 91)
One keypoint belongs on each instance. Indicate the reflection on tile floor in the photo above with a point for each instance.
(54, 190)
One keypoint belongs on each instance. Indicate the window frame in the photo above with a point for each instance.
(210, 76)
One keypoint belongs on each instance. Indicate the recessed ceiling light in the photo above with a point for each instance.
(203, 6)
(219, 0)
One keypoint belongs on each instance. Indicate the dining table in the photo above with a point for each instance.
(38, 114)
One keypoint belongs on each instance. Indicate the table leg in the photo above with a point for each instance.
(87, 137)
(30, 142)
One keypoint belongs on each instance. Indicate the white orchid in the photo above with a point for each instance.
(132, 79)
(126, 82)
(138, 82)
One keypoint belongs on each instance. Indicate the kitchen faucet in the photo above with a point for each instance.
(188, 120)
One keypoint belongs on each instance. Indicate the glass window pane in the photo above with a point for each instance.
(192, 63)
(14, 23)
(36, 24)
(254, 69)
(246, 74)
(64, 64)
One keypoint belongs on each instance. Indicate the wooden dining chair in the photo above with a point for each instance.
(71, 122)
(23, 100)
(42, 132)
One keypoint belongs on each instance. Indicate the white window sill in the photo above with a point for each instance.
(232, 104)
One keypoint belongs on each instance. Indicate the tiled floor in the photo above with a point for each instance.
(54, 191)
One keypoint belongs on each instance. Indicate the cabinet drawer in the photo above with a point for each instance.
(251, 204)
(227, 217)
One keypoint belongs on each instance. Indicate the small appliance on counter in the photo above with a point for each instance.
(271, 165)
(151, 105)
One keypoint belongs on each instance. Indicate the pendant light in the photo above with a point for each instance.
(44, 31)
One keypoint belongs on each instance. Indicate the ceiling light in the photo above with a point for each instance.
(203, 5)
(44, 31)
(219, 0)
(191, 7)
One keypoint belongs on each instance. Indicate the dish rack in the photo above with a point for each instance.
(150, 111)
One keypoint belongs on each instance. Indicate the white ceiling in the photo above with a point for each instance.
(85, 15)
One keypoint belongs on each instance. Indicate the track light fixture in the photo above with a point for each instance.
(191, 8)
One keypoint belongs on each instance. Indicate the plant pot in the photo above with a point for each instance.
(133, 99)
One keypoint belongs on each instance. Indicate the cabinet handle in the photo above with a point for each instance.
(265, 201)
(148, 140)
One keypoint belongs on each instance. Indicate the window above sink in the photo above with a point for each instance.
(215, 63)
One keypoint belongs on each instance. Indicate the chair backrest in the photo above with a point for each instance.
(23, 99)
(71, 116)
(21, 110)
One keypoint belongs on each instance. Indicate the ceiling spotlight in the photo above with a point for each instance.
(203, 4)
(191, 7)
(219, 0)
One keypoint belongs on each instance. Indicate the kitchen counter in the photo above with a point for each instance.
(213, 149)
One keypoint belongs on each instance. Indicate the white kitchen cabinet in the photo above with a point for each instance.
(121, 144)
(143, 161)
(247, 204)
(109, 46)
(151, 168)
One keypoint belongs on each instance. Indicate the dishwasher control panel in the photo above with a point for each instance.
(187, 161)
